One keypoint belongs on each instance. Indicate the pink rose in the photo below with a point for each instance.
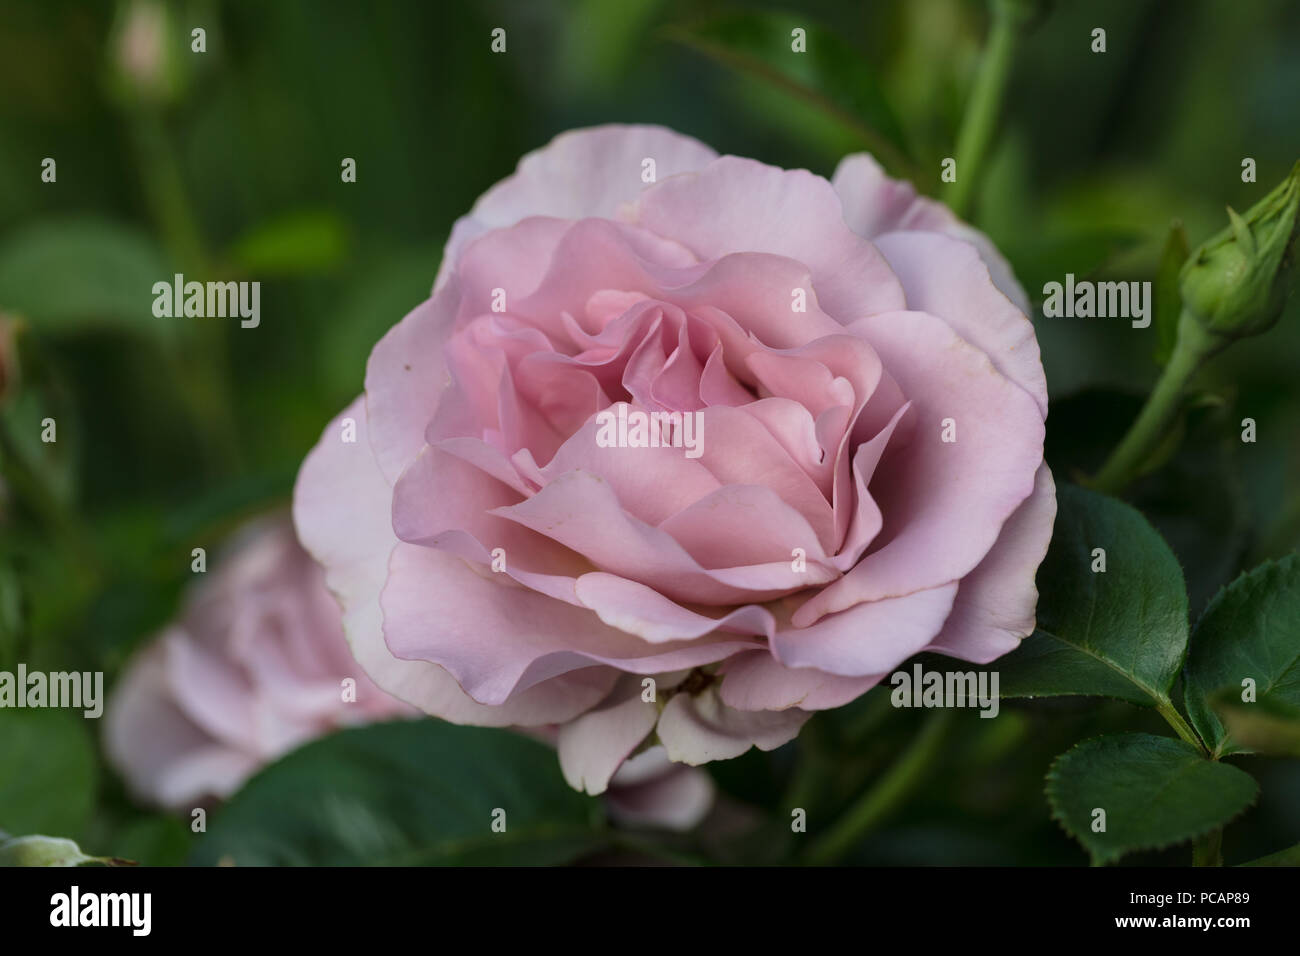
(866, 479)
(254, 668)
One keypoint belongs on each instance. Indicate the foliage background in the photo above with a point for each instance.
(170, 435)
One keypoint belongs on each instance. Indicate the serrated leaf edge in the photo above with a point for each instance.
(1102, 859)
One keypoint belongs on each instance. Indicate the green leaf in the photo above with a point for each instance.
(1251, 630)
(1195, 500)
(1168, 300)
(1288, 857)
(154, 841)
(1047, 666)
(72, 275)
(304, 242)
(1118, 633)
(47, 766)
(830, 75)
(1155, 792)
(1266, 726)
(406, 794)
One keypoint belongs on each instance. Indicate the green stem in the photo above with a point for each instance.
(165, 192)
(202, 375)
(1193, 347)
(985, 101)
(890, 790)
(1181, 727)
(1207, 850)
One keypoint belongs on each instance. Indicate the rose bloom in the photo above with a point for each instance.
(253, 668)
(869, 481)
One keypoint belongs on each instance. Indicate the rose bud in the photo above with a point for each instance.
(37, 850)
(1236, 283)
(253, 668)
(143, 67)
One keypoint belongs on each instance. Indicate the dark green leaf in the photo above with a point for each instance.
(831, 74)
(153, 841)
(47, 770)
(1046, 666)
(1194, 500)
(1118, 633)
(1155, 792)
(1288, 857)
(408, 793)
(1251, 630)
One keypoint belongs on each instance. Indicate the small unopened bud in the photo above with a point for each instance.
(41, 851)
(1237, 282)
(143, 59)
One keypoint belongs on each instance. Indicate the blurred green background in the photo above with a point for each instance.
(226, 164)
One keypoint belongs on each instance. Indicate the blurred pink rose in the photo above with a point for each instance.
(498, 564)
(254, 668)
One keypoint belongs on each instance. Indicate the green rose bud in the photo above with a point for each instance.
(1236, 283)
(41, 851)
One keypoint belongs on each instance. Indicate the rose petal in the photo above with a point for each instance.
(758, 681)
(583, 172)
(945, 277)
(594, 746)
(163, 756)
(650, 790)
(405, 376)
(342, 513)
(875, 204)
(995, 603)
(739, 205)
(868, 638)
(944, 502)
(643, 611)
(499, 639)
(698, 728)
